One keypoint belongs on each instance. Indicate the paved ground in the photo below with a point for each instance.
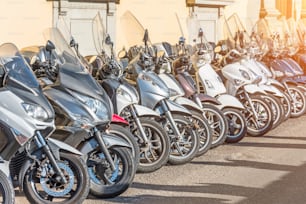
(269, 169)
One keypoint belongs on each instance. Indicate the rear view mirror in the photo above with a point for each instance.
(217, 49)
(122, 54)
(160, 53)
(50, 46)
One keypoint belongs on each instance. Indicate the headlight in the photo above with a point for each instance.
(93, 104)
(245, 74)
(238, 82)
(35, 111)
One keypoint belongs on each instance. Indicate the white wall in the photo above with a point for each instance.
(158, 16)
(22, 21)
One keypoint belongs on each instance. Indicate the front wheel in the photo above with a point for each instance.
(126, 135)
(237, 128)
(106, 183)
(184, 147)
(203, 130)
(155, 152)
(298, 101)
(278, 111)
(217, 122)
(6, 190)
(258, 115)
(42, 184)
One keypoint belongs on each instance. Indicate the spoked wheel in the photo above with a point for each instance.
(155, 152)
(184, 147)
(43, 185)
(260, 121)
(203, 130)
(298, 101)
(108, 183)
(286, 103)
(277, 110)
(217, 122)
(237, 128)
(125, 134)
(7, 192)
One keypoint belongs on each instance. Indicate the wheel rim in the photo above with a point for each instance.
(45, 187)
(297, 101)
(262, 120)
(100, 171)
(152, 152)
(215, 124)
(184, 146)
(235, 122)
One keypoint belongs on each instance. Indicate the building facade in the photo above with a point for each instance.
(23, 21)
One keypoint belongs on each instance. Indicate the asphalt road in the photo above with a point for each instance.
(269, 169)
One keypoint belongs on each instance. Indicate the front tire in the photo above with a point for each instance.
(237, 128)
(40, 184)
(105, 183)
(6, 190)
(126, 134)
(298, 101)
(217, 122)
(203, 131)
(184, 149)
(258, 123)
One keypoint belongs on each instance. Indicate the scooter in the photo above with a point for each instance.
(243, 43)
(83, 112)
(152, 139)
(186, 87)
(155, 94)
(177, 95)
(281, 69)
(43, 168)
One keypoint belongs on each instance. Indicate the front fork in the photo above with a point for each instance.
(139, 125)
(248, 98)
(41, 143)
(103, 148)
(171, 120)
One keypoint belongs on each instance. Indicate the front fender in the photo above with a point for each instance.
(144, 111)
(109, 140)
(57, 145)
(227, 100)
(253, 88)
(208, 99)
(271, 89)
(174, 108)
(187, 103)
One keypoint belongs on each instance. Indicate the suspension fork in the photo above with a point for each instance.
(41, 143)
(103, 148)
(139, 125)
(248, 98)
(170, 119)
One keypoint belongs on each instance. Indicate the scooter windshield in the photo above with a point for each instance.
(133, 30)
(99, 36)
(15, 67)
(71, 70)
